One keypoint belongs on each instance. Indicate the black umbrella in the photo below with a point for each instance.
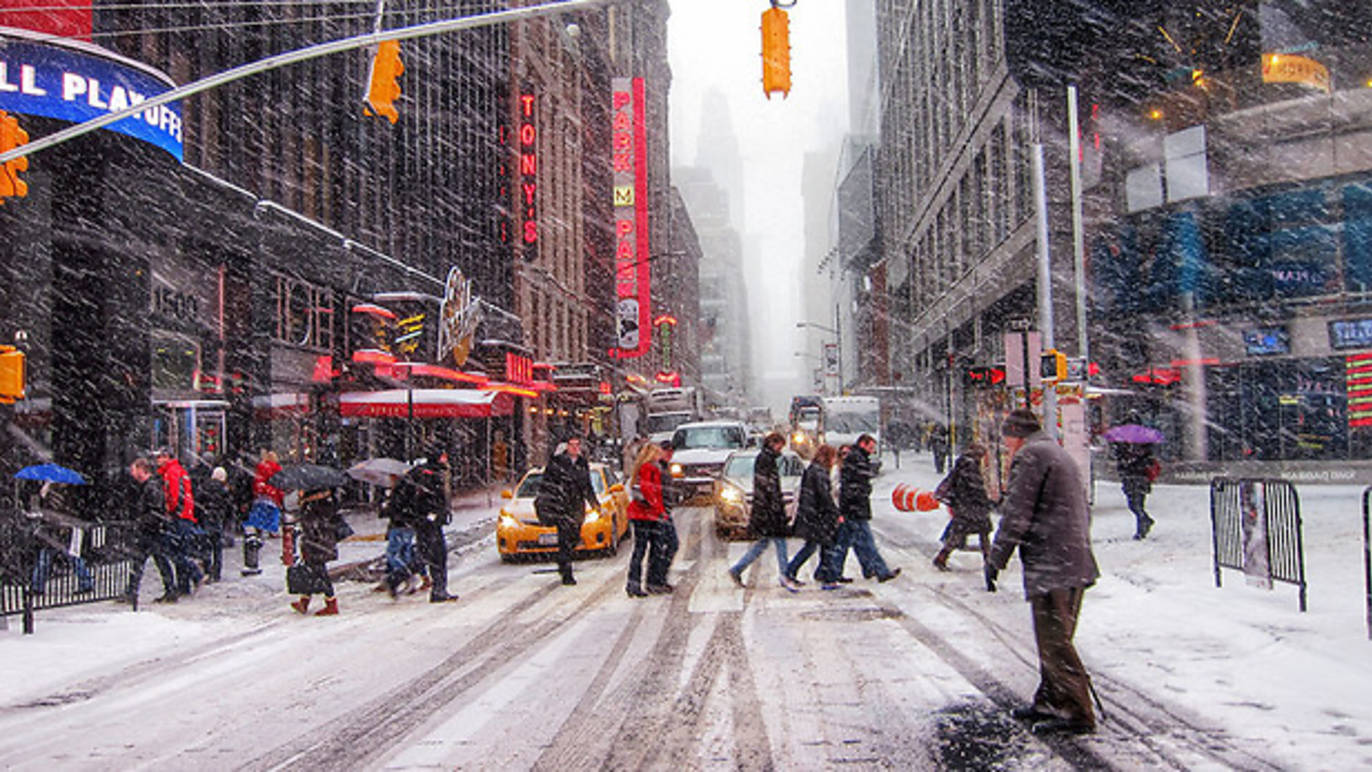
(308, 477)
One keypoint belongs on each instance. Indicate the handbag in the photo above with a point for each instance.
(303, 579)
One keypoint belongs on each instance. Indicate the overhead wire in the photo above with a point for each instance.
(203, 5)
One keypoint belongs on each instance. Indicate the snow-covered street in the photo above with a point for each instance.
(917, 673)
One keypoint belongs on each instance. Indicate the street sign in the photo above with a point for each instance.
(1021, 324)
(1015, 350)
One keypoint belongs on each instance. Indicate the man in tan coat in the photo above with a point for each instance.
(1045, 515)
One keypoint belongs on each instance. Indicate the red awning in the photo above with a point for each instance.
(428, 403)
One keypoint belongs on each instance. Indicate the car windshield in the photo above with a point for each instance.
(664, 422)
(790, 466)
(598, 481)
(708, 437)
(528, 487)
(740, 466)
(852, 423)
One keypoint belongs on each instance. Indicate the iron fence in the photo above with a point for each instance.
(1256, 528)
(39, 571)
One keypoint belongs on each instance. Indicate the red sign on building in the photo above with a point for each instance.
(528, 172)
(629, 155)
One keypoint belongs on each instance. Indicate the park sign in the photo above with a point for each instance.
(74, 81)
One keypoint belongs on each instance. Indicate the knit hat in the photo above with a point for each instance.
(219, 474)
(1020, 423)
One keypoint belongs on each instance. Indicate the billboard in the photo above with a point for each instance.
(629, 156)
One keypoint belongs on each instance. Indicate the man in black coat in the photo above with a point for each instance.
(565, 487)
(152, 526)
(767, 516)
(427, 501)
(1045, 515)
(855, 506)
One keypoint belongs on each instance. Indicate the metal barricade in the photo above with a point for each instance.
(1268, 545)
(1367, 555)
(36, 574)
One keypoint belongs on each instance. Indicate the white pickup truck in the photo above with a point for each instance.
(700, 449)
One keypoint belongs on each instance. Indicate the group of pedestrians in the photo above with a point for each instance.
(416, 550)
(182, 533)
(829, 527)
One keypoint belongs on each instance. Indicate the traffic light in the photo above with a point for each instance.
(11, 374)
(11, 136)
(1053, 366)
(776, 52)
(384, 86)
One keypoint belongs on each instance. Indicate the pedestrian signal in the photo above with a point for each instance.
(11, 136)
(1053, 366)
(384, 83)
(776, 52)
(11, 374)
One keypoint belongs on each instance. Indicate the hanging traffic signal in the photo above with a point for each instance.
(384, 84)
(11, 374)
(11, 136)
(776, 52)
(1053, 366)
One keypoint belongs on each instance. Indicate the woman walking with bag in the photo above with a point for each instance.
(319, 528)
(646, 511)
(817, 516)
(964, 491)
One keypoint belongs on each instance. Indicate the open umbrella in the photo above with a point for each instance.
(308, 477)
(51, 473)
(379, 471)
(1133, 434)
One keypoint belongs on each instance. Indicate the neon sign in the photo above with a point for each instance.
(528, 171)
(629, 154)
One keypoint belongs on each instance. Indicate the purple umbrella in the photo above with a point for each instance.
(1133, 434)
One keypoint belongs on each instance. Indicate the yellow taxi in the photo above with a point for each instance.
(518, 532)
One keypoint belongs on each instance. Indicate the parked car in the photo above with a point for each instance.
(518, 532)
(733, 491)
(701, 448)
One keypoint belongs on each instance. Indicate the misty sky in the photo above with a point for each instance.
(717, 44)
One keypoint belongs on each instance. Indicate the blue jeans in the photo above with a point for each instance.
(84, 582)
(400, 562)
(755, 551)
(858, 535)
(809, 548)
(646, 535)
(663, 551)
(185, 545)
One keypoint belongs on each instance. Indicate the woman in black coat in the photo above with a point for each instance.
(816, 515)
(319, 525)
(964, 491)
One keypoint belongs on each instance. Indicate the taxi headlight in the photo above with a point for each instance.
(677, 471)
(592, 515)
(507, 521)
(730, 495)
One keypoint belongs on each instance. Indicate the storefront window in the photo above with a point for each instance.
(175, 361)
(304, 314)
(1287, 410)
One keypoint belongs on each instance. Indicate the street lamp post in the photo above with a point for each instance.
(838, 342)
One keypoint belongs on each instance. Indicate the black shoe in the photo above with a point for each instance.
(169, 597)
(1062, 726)
(941, 565)
(1030, 713)
(894, 573)
(568, 580)
(660, 589)
(844, 580)
(441, 598)
(635, 592)
(1145, 525)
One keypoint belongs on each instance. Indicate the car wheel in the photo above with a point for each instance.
(505, 557)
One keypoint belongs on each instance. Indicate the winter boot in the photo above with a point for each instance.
(302, 605)
(330, 608)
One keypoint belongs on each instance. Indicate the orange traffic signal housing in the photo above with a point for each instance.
(11, 374)
(11, 136)
(776, 52)
(384, 86)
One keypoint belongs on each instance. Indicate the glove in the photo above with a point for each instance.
(990, 572)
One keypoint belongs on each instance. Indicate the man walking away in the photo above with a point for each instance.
(215, 510)
(566, 486)
(185, 534)
(767, 518)
(151, 537)
(429, 499)
(1137, 468)
(1045, 515)
(855, 506)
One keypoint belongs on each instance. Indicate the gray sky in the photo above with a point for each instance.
(717, 44)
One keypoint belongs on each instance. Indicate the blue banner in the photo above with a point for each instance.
(75, 84)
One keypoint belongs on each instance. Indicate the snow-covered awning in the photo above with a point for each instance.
(426, 403)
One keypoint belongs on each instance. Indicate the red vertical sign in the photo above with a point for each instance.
(629, 156)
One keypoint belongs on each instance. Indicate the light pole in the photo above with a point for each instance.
(838, 342)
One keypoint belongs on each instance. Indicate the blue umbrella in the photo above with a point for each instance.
(1134, 434)
(50, 473)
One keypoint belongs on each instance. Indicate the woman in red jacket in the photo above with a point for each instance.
(646, 511)
(265, 514)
